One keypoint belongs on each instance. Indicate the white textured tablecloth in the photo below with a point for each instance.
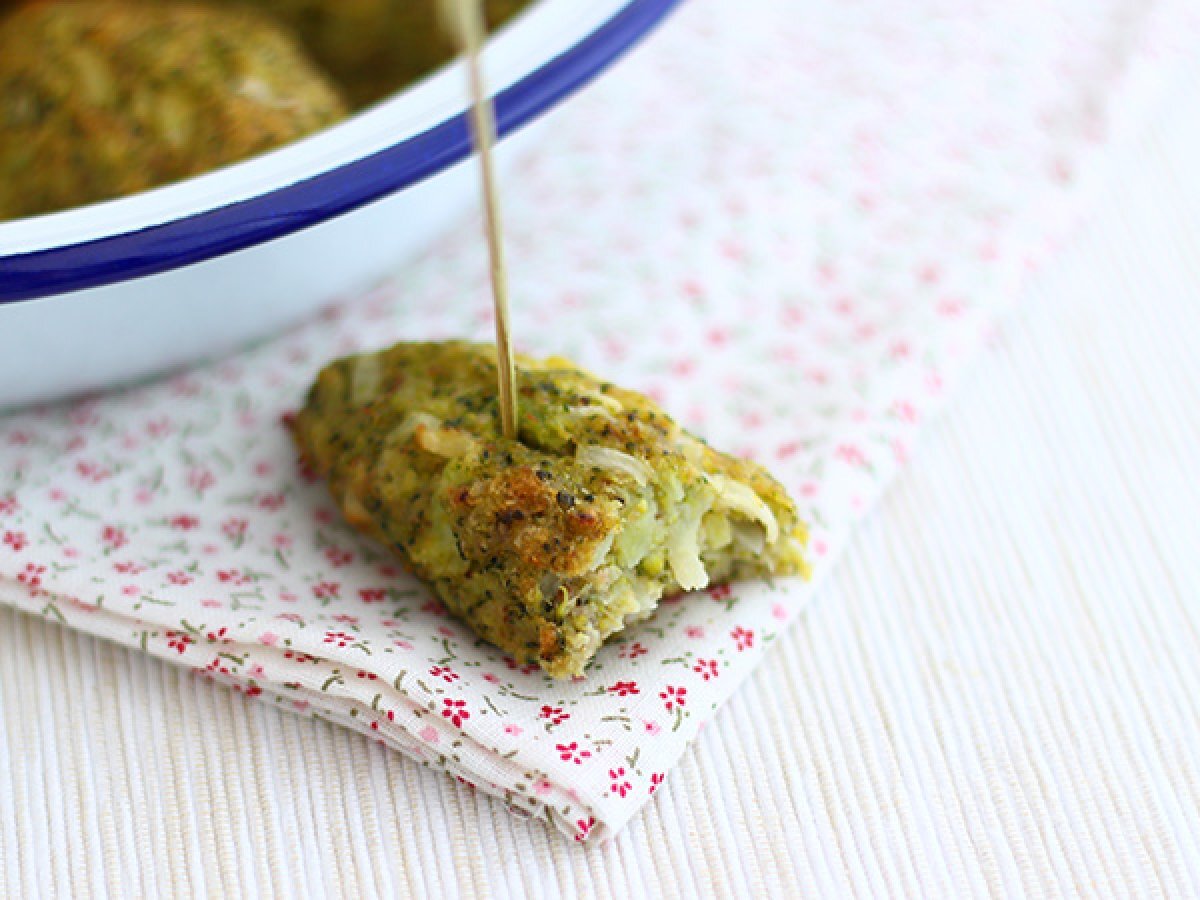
(994, 693)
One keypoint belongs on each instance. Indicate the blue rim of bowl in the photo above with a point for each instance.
(212, 233)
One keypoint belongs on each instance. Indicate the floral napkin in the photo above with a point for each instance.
(791, 223)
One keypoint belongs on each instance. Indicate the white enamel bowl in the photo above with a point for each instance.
(102, 294)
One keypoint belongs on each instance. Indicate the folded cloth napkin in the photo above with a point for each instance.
(789, 223)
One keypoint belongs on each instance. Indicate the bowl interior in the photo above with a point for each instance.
(541, 33)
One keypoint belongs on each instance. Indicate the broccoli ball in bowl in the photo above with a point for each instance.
(375, 47)
(102, 99)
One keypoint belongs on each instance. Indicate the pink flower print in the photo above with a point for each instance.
(20, 438)
(613, 348)
(556, 715)
(234, 529)
(367, 676)
(127, 567)
(184, 386)
(850, 454)
(179, 578)
(307, 473)
(620, 784)
(490, 678)
(720, 592)
(231, 576)
(446, 631)
(542, 787)
(584, 827)
(346, 619)
(433, 607)
(683, 367)
(633, 651)
(339, 638)
(253, 690)
(624, 688)
(655, 780)
(287, 597)
(388, 571)
(183, 522)
(16, 540)
(113, 537)
(930, 273)
(158, 428)
(652, 728)
(263, 469)
(455, 711)
(950, 307)
(904, 411)
(221, 635)
(93, 472)
(326, 590)
(131, 590)
(57, 495)
(282, 541)
(297, 655)
(211, 603)
(445, 673)
(743, 638)
(779, 611)
(527, 669)
(717, 337)
(513, 730)
(324, 516)
(706, 668)
(793, 316)
(900, 349)
(268, 639)
(8, 505)
(270, 502)
(572, 753)
(695, 632)
(787, 450)
(673, 696)
(257, 671)
(428, 734)
(338, 557)
(200, 479)
(178, 641)
(372, 595)
(31, 575)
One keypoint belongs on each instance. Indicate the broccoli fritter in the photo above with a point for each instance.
(101, 99)
(548, 545)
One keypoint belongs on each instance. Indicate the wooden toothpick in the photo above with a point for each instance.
(464, 21)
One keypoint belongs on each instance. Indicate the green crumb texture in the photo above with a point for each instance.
(102, 99)
(548, 545)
